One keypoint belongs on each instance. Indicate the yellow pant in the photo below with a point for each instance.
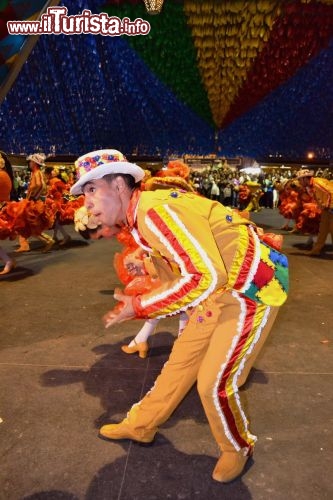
(217, 348)
(325, 228)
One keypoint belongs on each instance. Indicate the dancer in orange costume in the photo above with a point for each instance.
(56, 188)
(298, 207)
(136, 270)
(6, 186)
(230, 282)
(138, 261)
(322, 191)
(290, 203)
(36, 192)
(308, 218)
(244, 195)
(25, 218)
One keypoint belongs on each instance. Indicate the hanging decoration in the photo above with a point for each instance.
(298, 35)
(231, 77)
(228, 36)
(153, 7)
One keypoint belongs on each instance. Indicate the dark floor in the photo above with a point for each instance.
(62, 375)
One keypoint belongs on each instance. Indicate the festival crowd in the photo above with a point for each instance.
(39, 199)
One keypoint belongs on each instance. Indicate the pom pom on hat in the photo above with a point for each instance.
(155, 183)
(175, 168)
(173, 176)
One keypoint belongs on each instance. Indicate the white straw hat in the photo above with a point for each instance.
(97, 164)
(38, 158)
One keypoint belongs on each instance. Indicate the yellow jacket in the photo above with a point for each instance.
(206, 246)
(323, 192)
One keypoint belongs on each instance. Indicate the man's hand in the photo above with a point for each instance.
(123, 312)
(134, 265)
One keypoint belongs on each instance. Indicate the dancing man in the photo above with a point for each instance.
(229, 281)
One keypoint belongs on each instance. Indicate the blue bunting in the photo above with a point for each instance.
(294, 119)
(82, 92)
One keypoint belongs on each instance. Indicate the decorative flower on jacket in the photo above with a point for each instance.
(83, 220)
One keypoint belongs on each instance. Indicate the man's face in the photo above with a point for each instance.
(103, 201)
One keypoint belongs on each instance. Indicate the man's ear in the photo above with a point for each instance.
(120, 184)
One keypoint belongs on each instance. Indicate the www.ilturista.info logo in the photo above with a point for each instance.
(56, 21)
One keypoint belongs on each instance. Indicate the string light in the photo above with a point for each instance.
(153, 7)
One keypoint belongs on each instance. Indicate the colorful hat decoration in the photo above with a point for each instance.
(97, 164)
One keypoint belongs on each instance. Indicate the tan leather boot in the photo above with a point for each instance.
(124, 431)
(230, 465)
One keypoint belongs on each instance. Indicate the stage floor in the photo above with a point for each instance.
(62, 375)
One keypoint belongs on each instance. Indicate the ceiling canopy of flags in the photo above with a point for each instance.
(234, 77)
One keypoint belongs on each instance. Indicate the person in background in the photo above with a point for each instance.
(322, 191)
(276, 183)
(268, 186)
(235, 191)
(255, 195)
(229, 282)
(6, 168)
(227, 193)
(6, 189)
(10, 263)
(289, 203)
(56, 188)
(36, 191)
(214, 191)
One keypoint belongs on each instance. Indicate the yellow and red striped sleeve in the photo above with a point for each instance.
(197, 278)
